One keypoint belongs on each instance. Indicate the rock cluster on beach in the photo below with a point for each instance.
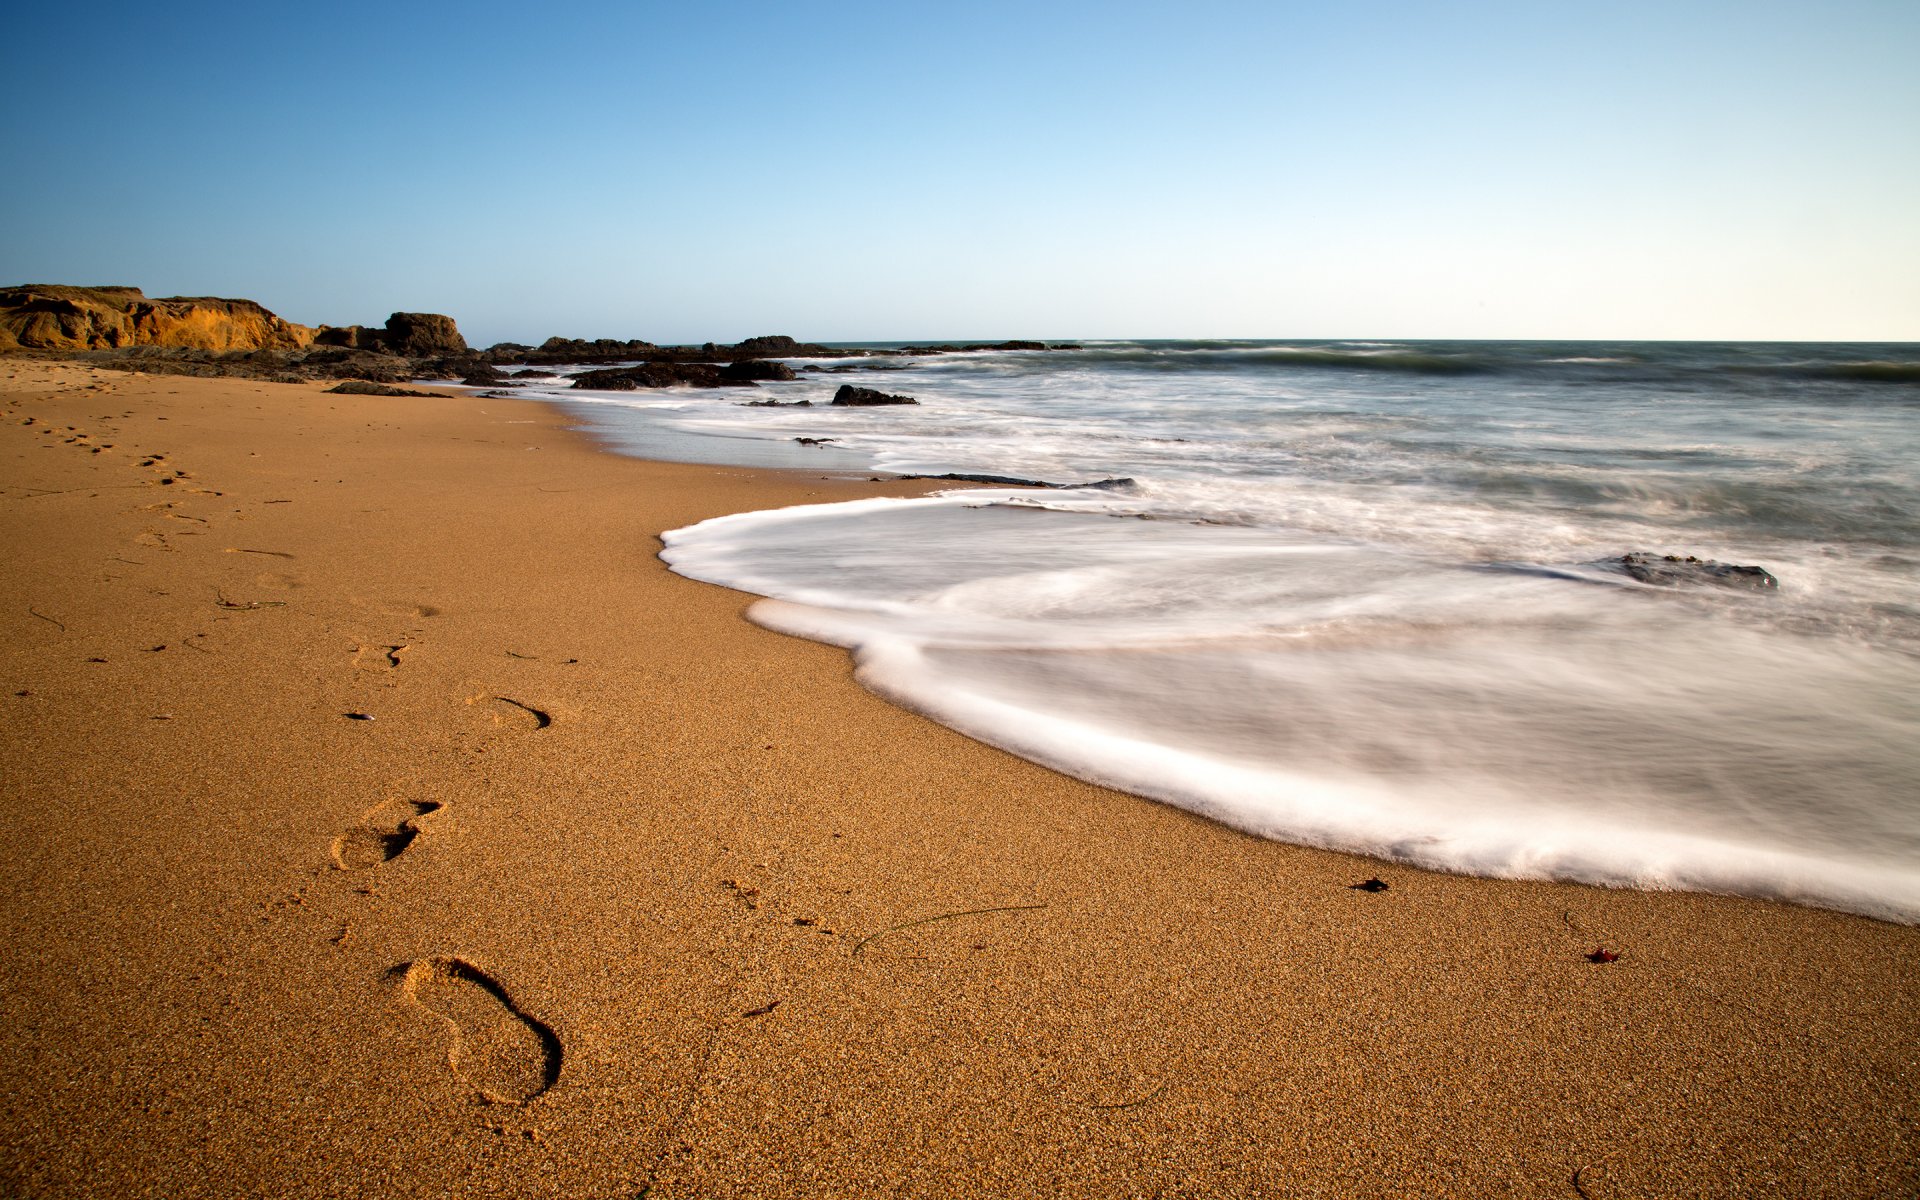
(121, 328)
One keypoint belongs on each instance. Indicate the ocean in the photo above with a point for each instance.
(1370, 595)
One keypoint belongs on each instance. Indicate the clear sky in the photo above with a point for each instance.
(843, 171)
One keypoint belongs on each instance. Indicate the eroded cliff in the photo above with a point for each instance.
(58, 317)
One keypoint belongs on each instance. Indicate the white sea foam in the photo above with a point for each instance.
(1369, 607)
(1357, 697)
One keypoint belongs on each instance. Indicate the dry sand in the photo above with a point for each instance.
(613, 895)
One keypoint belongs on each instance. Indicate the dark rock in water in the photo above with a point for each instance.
(849, 395)
(574, 350)
(1111, 485)
(776, 404)
(813, 441)
(752, 369)
(1001, 480)
(777, 345)
(948, 348)
(1670, 570)
(657, 375)
(360, 387)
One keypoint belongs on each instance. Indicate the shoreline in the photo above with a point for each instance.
(786, 938)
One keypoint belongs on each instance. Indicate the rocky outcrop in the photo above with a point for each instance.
(410, 335)
(758, 370)
(678, 374)
(422, 335)
(655, 375)
(571, 350)
(59, 318)
(607, 350)
(851, 396)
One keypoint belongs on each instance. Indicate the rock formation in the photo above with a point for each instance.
(411, 335)
(423, 335)
(53, 317)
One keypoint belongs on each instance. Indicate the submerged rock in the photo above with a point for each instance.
(1670, 570)
(849, 395)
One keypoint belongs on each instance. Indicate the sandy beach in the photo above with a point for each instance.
(384, 819)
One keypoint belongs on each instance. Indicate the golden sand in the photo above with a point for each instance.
(614, 894)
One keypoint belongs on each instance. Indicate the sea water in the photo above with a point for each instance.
(1367, 596)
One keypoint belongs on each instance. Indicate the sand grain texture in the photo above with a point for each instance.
(573, 914)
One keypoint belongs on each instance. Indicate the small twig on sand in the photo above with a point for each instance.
(36, 493)
(971, 912)
(220, 598)
(44, 617)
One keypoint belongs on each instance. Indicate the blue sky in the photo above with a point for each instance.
(842, 171)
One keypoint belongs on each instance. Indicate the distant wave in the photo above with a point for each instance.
(1347, 357)
(1644, 362)
(1867, 372)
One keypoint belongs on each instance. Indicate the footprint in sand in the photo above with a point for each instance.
(382, 834)
(510, 1057)
(506, 709)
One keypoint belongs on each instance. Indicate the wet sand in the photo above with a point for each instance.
(615, 894)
